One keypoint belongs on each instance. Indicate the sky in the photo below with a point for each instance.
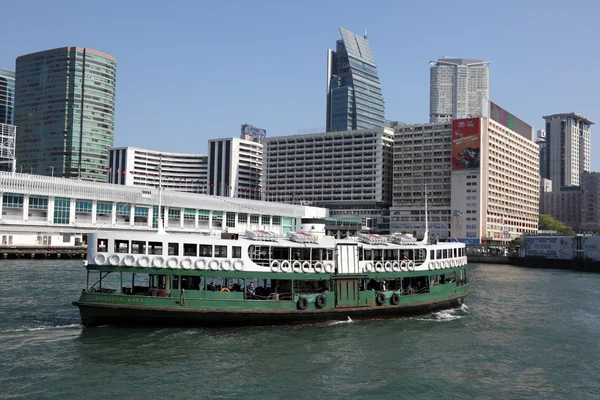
(189, 71)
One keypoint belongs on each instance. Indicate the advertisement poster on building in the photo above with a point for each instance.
(466, 145)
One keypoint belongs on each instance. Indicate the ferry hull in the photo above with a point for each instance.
(110, 314)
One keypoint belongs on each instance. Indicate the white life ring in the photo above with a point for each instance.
(226, 265)
(403, 266)
(172, 263)
(200, 264)
(328, 266)
(410, 265)
(100, 259)
(430, 265)
(143, 261)
(388, 266)
(274, 266)
(213, 264)
(396, 266)
(296, 266)
(129, 260)
(158, 262)
(369, 267)
(114, 260)
(305, 267)
(437, 264)
(186, 263)
(285, 266)
(238, 265)
(378, 266)
(448, 265)
(319, 267)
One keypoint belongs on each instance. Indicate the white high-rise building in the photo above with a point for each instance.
(566, 151)
(459, 88)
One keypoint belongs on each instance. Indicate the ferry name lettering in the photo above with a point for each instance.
(119, 299)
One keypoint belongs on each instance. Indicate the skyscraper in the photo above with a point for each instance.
(459, 88)
(354, 99)
(64, 108)
(7, 96)
(566, 151)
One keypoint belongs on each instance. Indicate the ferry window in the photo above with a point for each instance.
(329, 254)
(121, 246)
(442, 279)
(205, 250)
(432, 254)
(395, 254)
(138, 247)
(445, 253)
(236, 252)
(281, 253)
(221, 251)
(190, 249)
(316, 254)
(438, 254)
(175, 282)
(360, 254)
(192, 283)
(173, 249)
(101, 247)
(368, 255)
(377, 254)
(155, 247)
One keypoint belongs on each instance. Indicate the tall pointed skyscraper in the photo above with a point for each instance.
(354, 99)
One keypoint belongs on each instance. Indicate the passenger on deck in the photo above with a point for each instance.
(212, 287)
(383, 285)
(251, 290)
(410, 289)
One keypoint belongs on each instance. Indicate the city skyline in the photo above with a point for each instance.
(218, 94)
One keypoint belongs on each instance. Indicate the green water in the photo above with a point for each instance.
(523, 334)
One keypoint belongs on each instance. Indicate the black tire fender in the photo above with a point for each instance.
(302, 303)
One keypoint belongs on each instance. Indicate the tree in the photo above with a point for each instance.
(547, 223)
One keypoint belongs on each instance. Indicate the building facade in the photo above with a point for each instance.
(8, 135)
(235, 168)
(132, 166)
(565, 205)
(348, 172)
(64, 108)
(590, 199)
(459, 88)
(566, 151)
(354, 98)
(7, 96)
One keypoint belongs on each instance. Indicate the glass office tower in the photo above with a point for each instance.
(64, 108)
(7, 96)
(354, 99)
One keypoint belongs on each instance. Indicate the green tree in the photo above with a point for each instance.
(547, 223)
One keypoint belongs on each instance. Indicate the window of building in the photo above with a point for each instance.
(123, 209)
(254, 219)
(62, 210)
(81, 206)
(103, 208)
(265, 219)
(12, 200)
(203, 215)
(242, 218)
(276, 220)
(189, 213)
(174, 213)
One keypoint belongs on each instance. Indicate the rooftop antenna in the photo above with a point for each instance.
(161, 229)
(365, 33)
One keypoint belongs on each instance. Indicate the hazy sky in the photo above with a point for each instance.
(188, 71)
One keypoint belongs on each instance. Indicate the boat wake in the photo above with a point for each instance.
(348, 321)
(42, 328)
(446, 315)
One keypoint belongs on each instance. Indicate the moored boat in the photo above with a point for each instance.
(263, 278)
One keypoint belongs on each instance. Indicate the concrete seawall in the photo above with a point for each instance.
(12, 252)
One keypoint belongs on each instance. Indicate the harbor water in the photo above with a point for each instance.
(522, 334)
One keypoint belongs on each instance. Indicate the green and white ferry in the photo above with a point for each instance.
(262, 278)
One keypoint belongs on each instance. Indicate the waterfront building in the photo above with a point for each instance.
(566, 151)
(64, 108)
(43, 210)
(354, 98)
(8, 134)
(348, 172)
(7, 96)
(590, 199)
(481, 179)
(564, 205)
(132, 166)
(459, 88)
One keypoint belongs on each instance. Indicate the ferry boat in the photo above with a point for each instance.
(263, 278)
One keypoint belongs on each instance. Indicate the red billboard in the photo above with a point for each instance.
(466, 134)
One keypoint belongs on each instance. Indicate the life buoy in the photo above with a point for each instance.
(328, 267)
(200, 264)
(225, 290)
(396, 266)
(99, 259)
(436, 264)
(274, 266)
(238, 265)
(319, 267)
(143, 261)
(296, 266)
(431, 266)
(114, 260)
(380, 299)
(320, 301)
(213, 264)
(158, 262)
(226, 265)
(172, 263)
(410, 265)
(305, 267)
(395, 299)
(285, 266)
(186, 263)
(446, 264)
(403, 266)
(302, 303)
(378, 266)
(129, 260)
(388, 266)
(369, 267)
